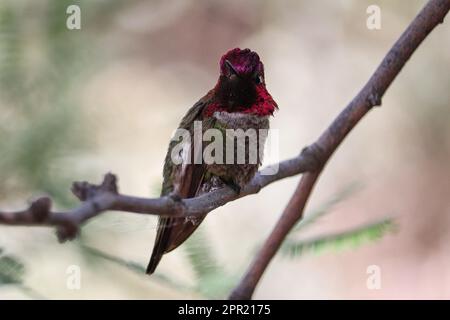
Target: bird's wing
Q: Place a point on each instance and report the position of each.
(184, 180)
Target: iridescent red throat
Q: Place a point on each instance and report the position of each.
(264, 105)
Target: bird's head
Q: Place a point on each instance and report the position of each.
(241, 86)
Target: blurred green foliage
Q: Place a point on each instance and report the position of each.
(347, 239)
(11, 270)
(42, 64)
(212, 280)
(41, 122)
(96, 258)
(12, 273)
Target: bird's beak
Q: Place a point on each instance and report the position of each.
(231, 68)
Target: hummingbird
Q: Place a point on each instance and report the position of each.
(239, 100)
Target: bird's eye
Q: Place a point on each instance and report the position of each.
(231, 70)
(259, 79)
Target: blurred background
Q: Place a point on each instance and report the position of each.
(76, 104)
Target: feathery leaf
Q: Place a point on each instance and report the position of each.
(12, 270)
(352, 238)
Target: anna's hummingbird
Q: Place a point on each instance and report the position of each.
(238, 101)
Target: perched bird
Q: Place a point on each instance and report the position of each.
(238, 101)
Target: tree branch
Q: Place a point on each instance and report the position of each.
(430, 16)
(97, 199)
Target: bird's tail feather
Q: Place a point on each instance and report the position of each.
(154, 261)
(161, 242)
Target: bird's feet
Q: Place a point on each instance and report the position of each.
(175, 197)
(233, 185)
